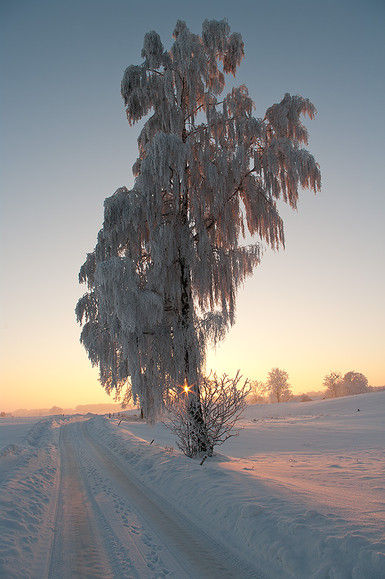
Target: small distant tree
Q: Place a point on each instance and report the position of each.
(354, 383)
(332, 383)
(257, 391)
(278, 386)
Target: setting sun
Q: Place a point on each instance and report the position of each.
(186, 388)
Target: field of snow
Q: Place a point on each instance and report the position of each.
(300, 493)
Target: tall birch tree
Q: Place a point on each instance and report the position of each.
(163, 277)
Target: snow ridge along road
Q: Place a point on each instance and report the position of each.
(108, 525)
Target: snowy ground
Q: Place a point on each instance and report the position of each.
(299, 494)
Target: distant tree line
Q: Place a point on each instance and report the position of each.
(278, 389)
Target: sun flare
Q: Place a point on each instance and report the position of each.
(186, 388)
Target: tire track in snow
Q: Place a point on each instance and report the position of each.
(133, 554)
(77, 549)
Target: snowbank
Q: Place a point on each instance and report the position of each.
(28, 472)
(301, 491)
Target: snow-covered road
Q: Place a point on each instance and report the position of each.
(300, 494)
(108, 525)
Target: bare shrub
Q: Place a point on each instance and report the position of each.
(222, 401)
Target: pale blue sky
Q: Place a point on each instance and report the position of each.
(66, 145)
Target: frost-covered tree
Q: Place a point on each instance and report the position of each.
(332, 383)
(277, 385)
(257, 391)
(352, 383)
(163, 277)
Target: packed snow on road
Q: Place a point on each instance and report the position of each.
(300, 493)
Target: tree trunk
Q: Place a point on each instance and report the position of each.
(199, 443)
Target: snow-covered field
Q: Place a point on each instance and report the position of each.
(300, 493)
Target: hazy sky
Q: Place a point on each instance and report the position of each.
(66, 146)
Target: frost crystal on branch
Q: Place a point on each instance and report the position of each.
(163, 277)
